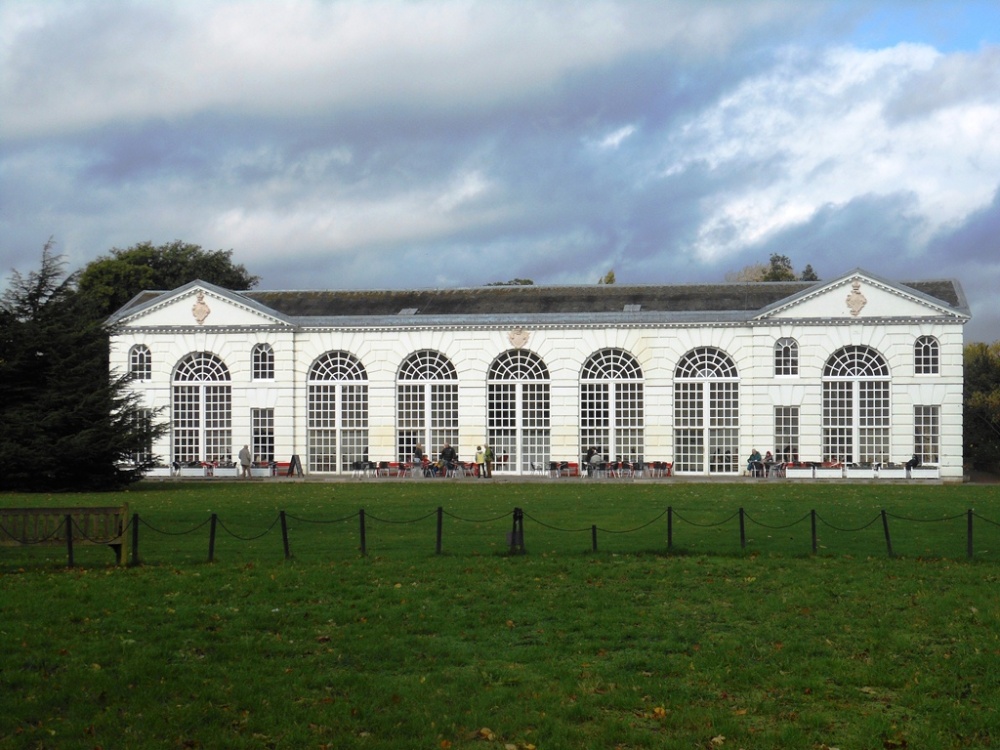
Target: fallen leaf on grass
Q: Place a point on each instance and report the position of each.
(718, 740)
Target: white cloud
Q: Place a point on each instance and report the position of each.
(815, 136)
(614, 140)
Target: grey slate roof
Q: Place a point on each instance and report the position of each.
(689, 301)
(506, 300)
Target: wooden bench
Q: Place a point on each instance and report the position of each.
(98, 525)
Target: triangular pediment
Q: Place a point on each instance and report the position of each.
(859, 296)
(197, 304)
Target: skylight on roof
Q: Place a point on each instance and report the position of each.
(408, 311)
(633, 308)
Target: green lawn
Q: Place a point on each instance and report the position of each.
(707, 645)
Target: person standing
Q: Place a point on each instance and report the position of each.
(488, 460)
(480, 462)
(245, 460)
(418, 460)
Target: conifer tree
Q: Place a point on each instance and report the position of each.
(68, 425)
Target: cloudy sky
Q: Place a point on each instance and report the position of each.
(386, 144)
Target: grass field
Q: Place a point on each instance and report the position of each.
(710, 644)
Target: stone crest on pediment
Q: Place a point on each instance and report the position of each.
(200, 309)
(856, 300)
(518, 337)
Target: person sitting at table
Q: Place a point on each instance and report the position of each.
(754, 465)
(448, 458)
(913, 462)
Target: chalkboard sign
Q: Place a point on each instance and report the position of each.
(295, 466)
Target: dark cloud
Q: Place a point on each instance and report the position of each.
(977, 238)
(879, 233)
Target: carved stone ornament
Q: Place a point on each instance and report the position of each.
(856, 300)
(200, 309)
(518, 338)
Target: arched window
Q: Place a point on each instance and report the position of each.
(202, 409)
(926, 356)
(786, 357)
(140, 362)
(856, 412)
(426, 404)
(612, 406)
(706, 413)
(518, 410)
(262, 362)
(337, 412)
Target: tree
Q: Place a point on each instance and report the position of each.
(512, 282)
(753, 272)
(608, 278)
(66, 423)
(808, 274)
(982, 405)
(114, 279)
(780, 269)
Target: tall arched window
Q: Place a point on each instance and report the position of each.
(856, 412)
(518, 410)
(140, 362)
(426, 403)
(706, 412)
(612, 405)
(786, 357)
(262, 362)
(338, 412)
(926, 356)
(202, 409)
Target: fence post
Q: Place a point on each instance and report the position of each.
(670, 527)
(968, 536)
(211, 538)
(69, 539)
(812, 515)
(364, 542)
(743, 531)
(135, 540)
(440, 525)
(284, 533)
(885, 527)
(593, 538)
(516, 537)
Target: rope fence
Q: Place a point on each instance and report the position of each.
(516, 540)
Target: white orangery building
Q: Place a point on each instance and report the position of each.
(857, 370)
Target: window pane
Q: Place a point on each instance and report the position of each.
(927, 433)
(926, 356)
(337, 412)
(786, 434)
(262, 434)
(706, 412)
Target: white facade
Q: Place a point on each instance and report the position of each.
(854, 370)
